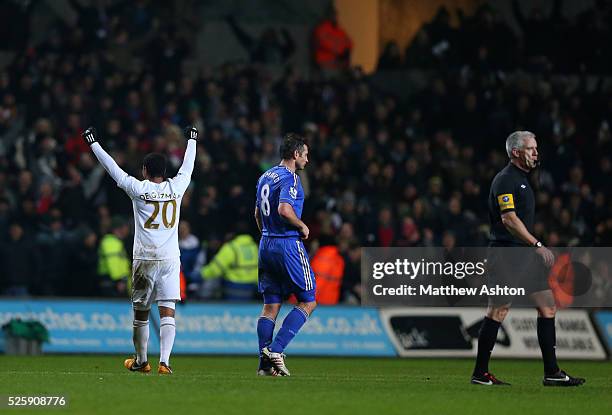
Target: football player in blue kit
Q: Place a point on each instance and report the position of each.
(284, 267)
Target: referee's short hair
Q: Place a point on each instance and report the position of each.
(517, 140)
(292, 142)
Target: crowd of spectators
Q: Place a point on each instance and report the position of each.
(547, 41)
(383, 172)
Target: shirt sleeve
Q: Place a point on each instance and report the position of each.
(504, 194)
(183, 177)
(288, 189)
(126, 182)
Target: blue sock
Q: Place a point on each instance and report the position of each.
(265, 331)
(291, 325)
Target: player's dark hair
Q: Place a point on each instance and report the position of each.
(291, 143)
(155, 163)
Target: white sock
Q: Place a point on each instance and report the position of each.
(141, 339)
(167, 330)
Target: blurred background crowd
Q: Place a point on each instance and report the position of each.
(387, 168)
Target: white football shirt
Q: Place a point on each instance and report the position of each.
(157, 206)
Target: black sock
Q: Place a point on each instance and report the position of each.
(547, 339)
(486, 342)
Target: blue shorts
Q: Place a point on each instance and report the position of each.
(284, 269)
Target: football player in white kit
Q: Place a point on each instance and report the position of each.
(156, 259)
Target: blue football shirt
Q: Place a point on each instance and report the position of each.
(279, 184)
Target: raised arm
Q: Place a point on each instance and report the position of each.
(117, 173)
(191, 134)
(183, 177)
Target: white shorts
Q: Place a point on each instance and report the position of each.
(155, 281)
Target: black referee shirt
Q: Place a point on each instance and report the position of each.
(510, 191)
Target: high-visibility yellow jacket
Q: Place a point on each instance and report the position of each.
(112, 258)
(236, 261)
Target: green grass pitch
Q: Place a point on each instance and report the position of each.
(228, 385)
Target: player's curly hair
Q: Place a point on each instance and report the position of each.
(155, 163)
(292, 142)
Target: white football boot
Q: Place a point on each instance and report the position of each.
(278, 361)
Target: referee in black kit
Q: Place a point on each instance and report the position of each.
(511, 214)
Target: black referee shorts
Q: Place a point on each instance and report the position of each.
(509, 265)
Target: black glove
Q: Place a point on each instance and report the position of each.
(90, 136)
(191, 133)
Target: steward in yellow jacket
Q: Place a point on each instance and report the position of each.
(236, 265)
(113, 263)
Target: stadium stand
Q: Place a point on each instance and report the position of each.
(386, 169)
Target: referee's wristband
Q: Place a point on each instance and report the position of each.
(538, 244)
